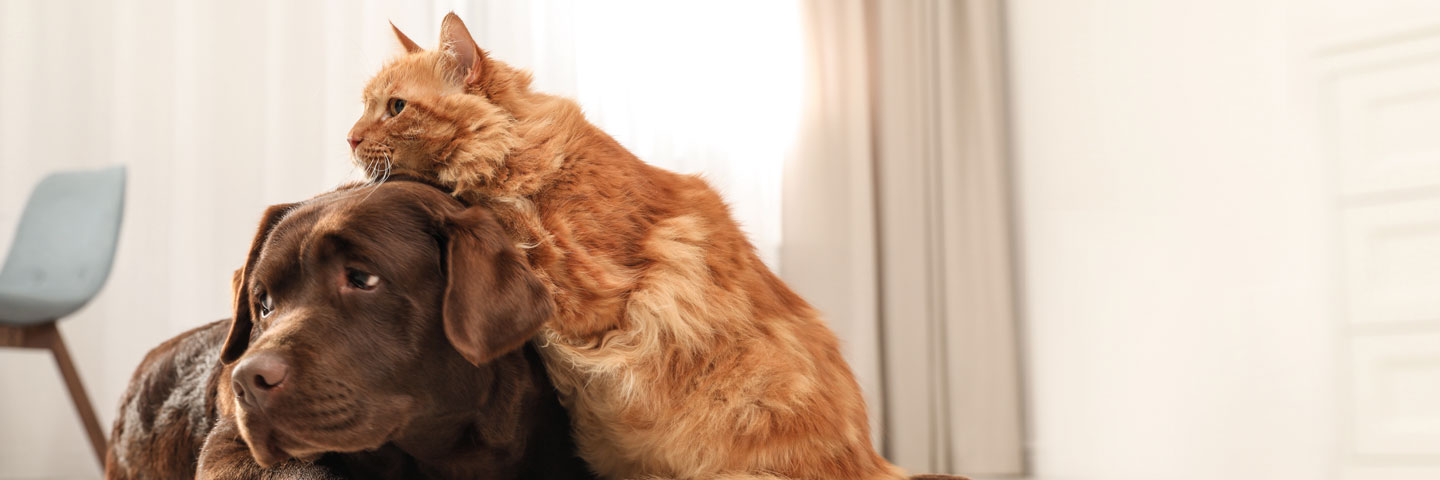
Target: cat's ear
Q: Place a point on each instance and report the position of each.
(470, 59)
(410, 45)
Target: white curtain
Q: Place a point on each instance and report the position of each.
(897, 223)
(951, 353)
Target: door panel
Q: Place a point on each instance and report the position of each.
(1377, 73)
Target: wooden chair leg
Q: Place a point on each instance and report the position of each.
(47, 336)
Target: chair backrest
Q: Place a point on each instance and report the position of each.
(65, 242)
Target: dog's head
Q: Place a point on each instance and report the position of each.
(348, 302)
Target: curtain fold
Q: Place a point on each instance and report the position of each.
(828, 254)
(898, 224)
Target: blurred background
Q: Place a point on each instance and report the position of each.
(1060, 240)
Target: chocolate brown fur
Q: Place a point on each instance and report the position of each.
(410, 383)
(168, 408)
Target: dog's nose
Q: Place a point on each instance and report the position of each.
(354, 142)
(257, 379)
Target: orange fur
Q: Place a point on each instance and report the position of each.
(678, 353)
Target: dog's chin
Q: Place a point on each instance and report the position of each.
(264, 444)
(271, 443)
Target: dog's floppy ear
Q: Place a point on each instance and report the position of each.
(493, 301)
(241, 325)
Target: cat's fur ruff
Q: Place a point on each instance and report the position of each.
(678, 352)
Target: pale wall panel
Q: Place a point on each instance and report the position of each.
(1180, 259)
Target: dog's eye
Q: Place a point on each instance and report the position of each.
(267, 305)
(361, 279)
(395, 106)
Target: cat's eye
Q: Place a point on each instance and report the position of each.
(361, 279)
(395, 106)
(267, 306)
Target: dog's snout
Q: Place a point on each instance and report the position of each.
(257, 379)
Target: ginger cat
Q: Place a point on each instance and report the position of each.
(677, 352)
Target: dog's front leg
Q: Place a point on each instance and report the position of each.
(227, 457)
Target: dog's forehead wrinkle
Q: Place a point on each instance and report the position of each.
(295, 219)
(314, 240)
(397, 223)
(272, 271)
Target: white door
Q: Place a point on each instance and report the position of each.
(1229, 215)
(1376, 73)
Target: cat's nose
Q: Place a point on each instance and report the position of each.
(354, 142)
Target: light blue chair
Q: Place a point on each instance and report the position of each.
(61, 255)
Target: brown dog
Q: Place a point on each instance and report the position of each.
(361, 317)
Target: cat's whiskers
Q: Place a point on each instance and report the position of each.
(384, 175)
(367, 179)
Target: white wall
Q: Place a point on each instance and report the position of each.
(222, 108)
(1177, 242)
